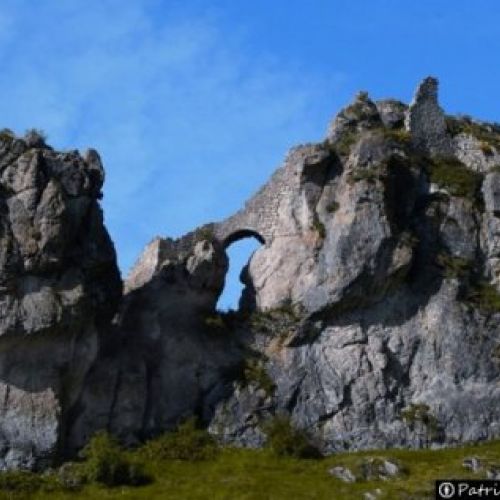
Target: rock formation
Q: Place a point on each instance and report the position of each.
(370, 316)
(59, 285)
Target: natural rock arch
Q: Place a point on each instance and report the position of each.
(241, 234)
(239, 247)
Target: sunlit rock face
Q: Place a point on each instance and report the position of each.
(370, 313)
(385, 245)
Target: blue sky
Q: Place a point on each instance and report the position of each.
(192, 104)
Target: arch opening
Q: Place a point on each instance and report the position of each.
(242, 234)
(240, 247)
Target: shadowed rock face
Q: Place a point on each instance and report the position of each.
(372, 307)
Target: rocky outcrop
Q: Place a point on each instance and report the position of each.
(370, 315)
(385, 246)
(167, 357)
(59, 285)
(426, 121)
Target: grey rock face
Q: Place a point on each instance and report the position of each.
(472, 463)
(426, 121)
(168, 359)
(361, 115)
(58, 284)
(491, 192)
(342, 473)
(476, 154)
(493, 473)
(392, 112)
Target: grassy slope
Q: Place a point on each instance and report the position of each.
(257, 474)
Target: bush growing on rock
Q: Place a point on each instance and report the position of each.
(215, 322)
(453, 267)
(453, 176)
(485, 297)
(254, 372)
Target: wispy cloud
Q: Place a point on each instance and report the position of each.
(188, 123)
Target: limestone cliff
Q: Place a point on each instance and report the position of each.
(370, 316)
(59, 286)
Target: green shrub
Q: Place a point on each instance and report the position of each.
(455, 125)
(71, 475)
(399, 135)
(261, 321)
(106, 463)
(486, 148)
(287, 309)
(370, 175)
(216, 322)
(421, 413)
(225, 321)
(485, 297)
(285, 440)
(6, 135)
(319, 227)
(344, 144)
(453, 176)
(332, 207)
(453, 267)
(254, 372)
(204, 233)
(278, 320)
(187, 442)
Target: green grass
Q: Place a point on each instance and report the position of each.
(236, 474)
